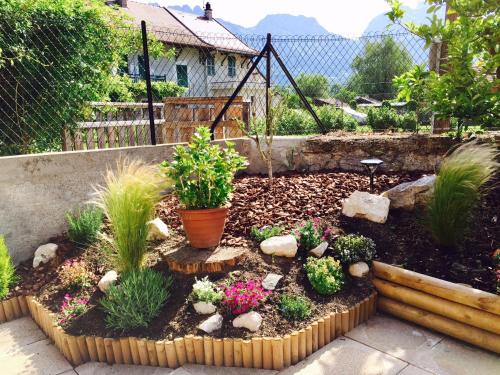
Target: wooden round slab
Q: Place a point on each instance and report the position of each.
(188, 260)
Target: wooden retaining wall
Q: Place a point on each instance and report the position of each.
(13, 308)
(464, 313)
(259, 352)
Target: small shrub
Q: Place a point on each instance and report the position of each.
(457, 191)
(354, 248)
(408, 121)
(261, 234)
(8, 275)
(205, 291)
(382, 118)
(295, 307)
(311, 233)
(295, 121)
(203, 173)
(71, 308)
(74, 274)
(325, 275)
(242, 297)
(84, 225)
(128, 201)
(137, 300)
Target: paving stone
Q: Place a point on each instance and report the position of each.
(38, 358)
(412, 370)
(212, 370)
(95, 368)
(18, 333)
(451, 357)
(347, 357)
(395, 337)
(69, 372)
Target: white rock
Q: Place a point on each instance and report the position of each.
(359, 269)
(271, 281)
(44, 254)
(367, 206)
(319, 250)
(211, 324)
(158, 230)
(107, 280)
(409, 194)
(250, 320)
(283, 246)
(204, 308)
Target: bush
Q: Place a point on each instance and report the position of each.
(8, 275)
(335, 119)
(295, 121)
(295, 307)
(354, 248)
(325, 275)
(203, 173)
(242, 297)
(205, 291)
(408, 121)
(457, 191)
(84, 225)
(261, 234)
(74, 274)
(382, 118)
(128, 201)
(137, 300)
(311, 233)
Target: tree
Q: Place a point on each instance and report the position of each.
(374, 70)
(466, 87)
(56, 56)
(313, 85)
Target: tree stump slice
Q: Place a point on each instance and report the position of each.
(188, 260)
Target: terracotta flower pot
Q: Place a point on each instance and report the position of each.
(204, 228)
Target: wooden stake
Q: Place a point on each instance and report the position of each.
(351, 318)
(3, 318)
(82, 347)
(134, 350)
(16, 307)
(237, 353)
(108, 347)
(345, 322)
(152, 356)
(24, 305)
(309, 340)
(171, 355)
(218, 346)
(295, 347)
(315, 341)
(198, 350)
(277, 345)
(357, 312)
(76, 358)
(208, 350)
(9, 310)
(142, 348)
(247, 353)
(161, 354)
(302, 344)
(287, 351)
(188, 342)
(327, 329)
(321, 333)
(125, 348)
(101, 351)
(117, 351)
(338, 324)
(267, 353)
(92, 348)
(180, 350)
(256, 351)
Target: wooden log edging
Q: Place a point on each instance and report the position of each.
(13, 308)
(464, 313)
(273, 353)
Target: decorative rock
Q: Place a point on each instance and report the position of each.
(319, 250)
(204, 308)
(158, 230)
(367, 206)
(284, 246)
(250, 320)
(359, 269)
(44, 254)
(107, 280)
(211, 324)
(271, 281)
(409, 194)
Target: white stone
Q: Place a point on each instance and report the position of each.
(367, 206)
(319, 250)
(409, 194)
(250, 320)
(44, 254)
(283, 246)
(107, 280)
(204, 307)
(158, 230)
(271, 281)
(211, 324)
(359, 269)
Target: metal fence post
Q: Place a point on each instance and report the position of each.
(148, 82)
(268, 79)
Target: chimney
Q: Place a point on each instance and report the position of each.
(122, 3)
(208, 11)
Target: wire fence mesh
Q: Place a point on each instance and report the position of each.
(60, 90)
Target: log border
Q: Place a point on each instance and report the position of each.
(274, 353)
(467, 314)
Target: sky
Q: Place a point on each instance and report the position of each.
(344, 17)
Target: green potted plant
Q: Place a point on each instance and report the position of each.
(202, 175)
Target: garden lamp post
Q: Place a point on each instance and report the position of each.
(371, 165)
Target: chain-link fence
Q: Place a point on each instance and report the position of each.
(61, 88)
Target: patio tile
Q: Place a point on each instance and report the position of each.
(212, 370)
(39, 358)
(345, 356)
(451, 357)
(412, 370)
(18, 333)
(395, 337)
(95, 368)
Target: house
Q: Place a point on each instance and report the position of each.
(209, 60)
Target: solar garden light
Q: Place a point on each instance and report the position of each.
(371, 165)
